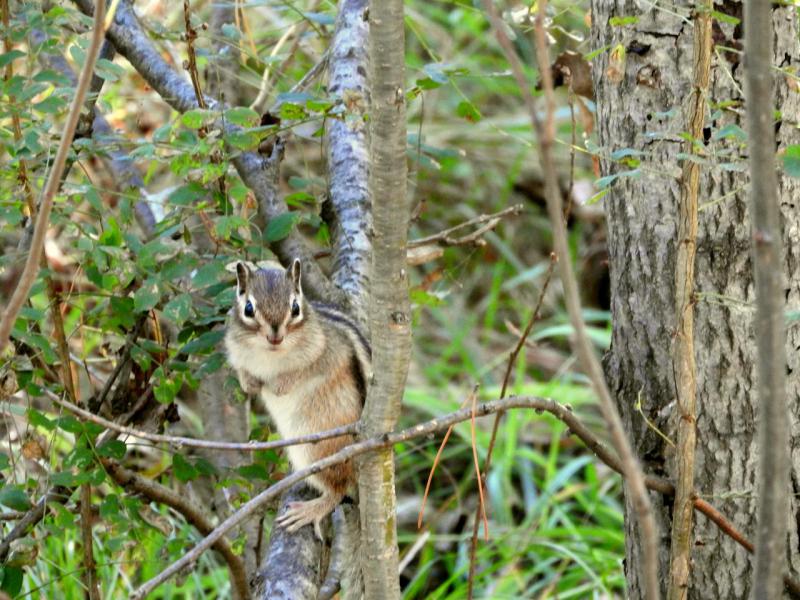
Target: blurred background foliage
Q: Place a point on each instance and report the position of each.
(555, 515)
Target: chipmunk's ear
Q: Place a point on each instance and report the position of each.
(242, 277)
(294, 274)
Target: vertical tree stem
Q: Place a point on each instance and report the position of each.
(545, 133)
(773, 491)
(389, 317)
(683, 349)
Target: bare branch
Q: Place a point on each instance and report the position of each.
(488, 223)
(545, 133)
(207, 444)
(31, 268)
(378, 442)
(773, 418)
(683, 349)
(559, 411)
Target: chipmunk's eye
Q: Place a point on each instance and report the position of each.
(248, 310)
(295, 309)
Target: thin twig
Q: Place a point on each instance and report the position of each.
(683, 349)
(207, 444)
(545, 133)
(89, 574)
(445, 237)
(560, 411)
(512, 360)
(481, 500)
(191, 512)
(191, 61)
(31, 268)
(770, 329)
(371, 444)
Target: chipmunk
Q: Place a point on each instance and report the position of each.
(310, 365)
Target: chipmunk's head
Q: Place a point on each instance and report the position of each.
(269, 303)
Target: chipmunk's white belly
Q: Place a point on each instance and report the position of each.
(290, 413)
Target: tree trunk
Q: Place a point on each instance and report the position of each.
(641, 105)
(389, 310)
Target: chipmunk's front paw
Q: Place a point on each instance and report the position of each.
(250, 385)
(305, 513)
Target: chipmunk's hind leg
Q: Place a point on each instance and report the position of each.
(310, 511)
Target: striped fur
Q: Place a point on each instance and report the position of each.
(314, 379)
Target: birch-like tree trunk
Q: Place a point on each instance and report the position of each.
(389, 316)
(642, 82)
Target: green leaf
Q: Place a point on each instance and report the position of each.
(292, 112)
(791, 160)
(168, 387)
(208, 274)
(203, 342)
(110, 506)
(4, 461)
(242, 116)
(622, 21)
(9, 56)
(51, 105)
(228, 224)
(182, 469)
(243, 140)
(113, 449)
(279, 227)
(730, 130)
(254, 471)
(69, 424)
(723, 18)
(197, 118)
(230, 31)
(187, 194)
(107, 70)
(147, 296)
(12, 580)
(14, 498)
(39, 420)
(179, 309)
(466, 110)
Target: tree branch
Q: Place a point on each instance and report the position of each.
(31, 268)
(559, 411)
(348, 159)
(206, 444)
(768, 264)
(683, 349)
(294, 565)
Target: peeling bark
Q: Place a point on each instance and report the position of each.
(645, 114)
(348, 160)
